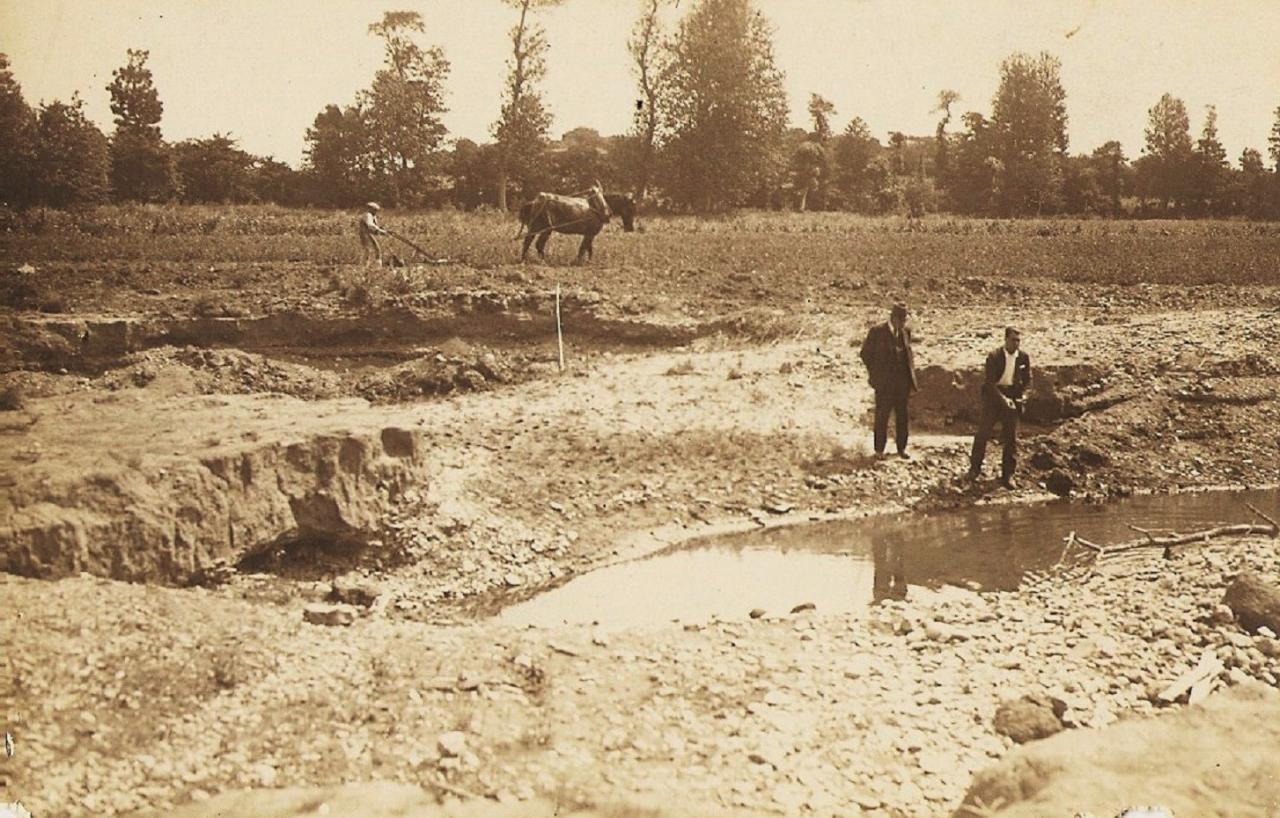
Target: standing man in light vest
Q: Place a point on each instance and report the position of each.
(1004, 389)
(369, 230)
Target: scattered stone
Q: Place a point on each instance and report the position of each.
(512, 580)
(452, 744)
(942, 632)
(567, 650)
(264, 775)
(763, 757)
(1029, 718)
(1221, 615)
(756, 613)
(1060, 483)
(1239, 640)
(804, 606)
(354, 592)
(1043, 460)
(1255, 602)
(867, 800)
(320, 614)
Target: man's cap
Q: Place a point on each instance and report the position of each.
(373, 205)
(899, 308)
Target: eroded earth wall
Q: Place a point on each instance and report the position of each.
(168, 523)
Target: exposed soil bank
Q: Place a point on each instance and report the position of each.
(138, 512)
(93, 343)
(518, 485)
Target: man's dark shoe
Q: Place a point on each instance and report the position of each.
(905, 456)
(1008, 483)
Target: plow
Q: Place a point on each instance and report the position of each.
(422, 255)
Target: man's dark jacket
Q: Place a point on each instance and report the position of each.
(880, 355)
(995, 370)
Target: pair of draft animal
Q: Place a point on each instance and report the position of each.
(890, 363)
(539, 218)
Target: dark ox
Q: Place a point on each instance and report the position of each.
(548, 213)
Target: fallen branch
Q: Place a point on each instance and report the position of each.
(1144, 531)
(1069, 540)
(1275, 526)
(1241, 530)
(1092, 545)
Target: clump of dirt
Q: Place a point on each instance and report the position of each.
(182, 370)
(441, 374)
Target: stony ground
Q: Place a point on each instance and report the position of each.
(167, 695)
(741, 407)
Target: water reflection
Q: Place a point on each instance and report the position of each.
(890, 580)
(844, 566)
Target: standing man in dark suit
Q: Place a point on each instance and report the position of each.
(891, 368)
(1004, 389)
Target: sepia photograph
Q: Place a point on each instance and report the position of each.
(639, 408)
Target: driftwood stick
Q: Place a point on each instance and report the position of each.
(1145, 531)
(1087, 544)
(1241, 530)
(1068, 541)
(1275, 526)
(1165, 531)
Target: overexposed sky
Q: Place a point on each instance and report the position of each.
(263, 69)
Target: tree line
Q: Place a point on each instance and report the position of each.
(709, 133)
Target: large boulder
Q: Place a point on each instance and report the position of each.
(1060, 483)
(1255, 602)
(1215, 759)
(1029, 718)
